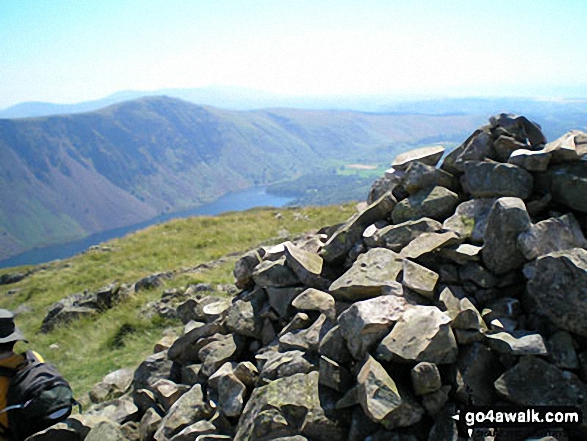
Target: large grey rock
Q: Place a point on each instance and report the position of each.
(425, 378)
(423, 333)
(530, 160)
(490, 179)
(428, 243)
(436, 203)
(112, 386)
(477, 147)
(189, 409)
(420, 176)
(518, 127)
(274, 274)
(341, 242)
(315, 300)
(367, 321)
(168, 392)
(508, 219)
(229, 391)
(567, 183)
(185, 349)
(396, 237)
(153, 368)
(334, 347)
(505, 145)
(244, 315)
(149, 424)
(425, 155)
(476, 369)
(287, 407)
(382, 400)
(372, 271)
(120, 410)
(307, 340)
(419, 279)
(561, 350)
(558, 285)
(220, 349)
(244, 267)
(470, 219)
(58, 432)
(280, 299)
(535, 382)
(106, 430)
(195, 431)
(284, 364)
(567, 148)
(306, 265)
(517, 343)
(555, 234)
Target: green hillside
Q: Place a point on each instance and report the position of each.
(121, 337)
(64, 177)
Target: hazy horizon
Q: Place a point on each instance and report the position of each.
(69, 52)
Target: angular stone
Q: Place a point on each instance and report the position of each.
(396, 237)
(154, 367)
(106, 430)
(274, 274)
(477, 274)
(367, 321)
(112, 386)
(558, 285)
(307, 340)
(149, 424)
(567, 183)
(229, 390)
(437, 203)
(535, 382)
(315, 300)
(195, 431)
(285, 364)
(120, 410)
(333, 346)
(334, 376)
(554, 234)
(476, 370)
(427, 243)
(470, 219)
(420, 176)
(189, 409)
(244, 315)
(425, 378)
(561, 350)
(376, 268)
(477, 147)
(382, 400)
(463, 253)
(518, 127)
(280, 299)
(246, 372)
(286, 407)
(244, 267)
(167, 392)
(425, 155)
(423, 333)
(504, 146)
(419, 279)
(57, 432)
(185, 349)
(564, 149)
(508, 219)
(221, 348)
(341, 242)
(517, 343)
(530, 160)
(489, 179)
(306, 265)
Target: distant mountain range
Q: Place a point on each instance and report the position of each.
(64, 177)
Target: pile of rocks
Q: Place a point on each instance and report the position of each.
(463, 284)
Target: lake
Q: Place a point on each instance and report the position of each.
(237, 201)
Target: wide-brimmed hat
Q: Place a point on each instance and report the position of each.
(8, 330)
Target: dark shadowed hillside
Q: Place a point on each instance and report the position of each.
(63, 177)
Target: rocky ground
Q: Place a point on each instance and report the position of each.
(459, 284)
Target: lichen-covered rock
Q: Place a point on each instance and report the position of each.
(423, 333)
(470, 218)
(558, 285)
(396, 237)
(419, 279)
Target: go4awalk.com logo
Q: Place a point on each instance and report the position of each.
(481, 419)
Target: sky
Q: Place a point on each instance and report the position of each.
(67, 51)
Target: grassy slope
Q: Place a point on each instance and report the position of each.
(86, 349)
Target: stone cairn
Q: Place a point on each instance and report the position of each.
(463, 283)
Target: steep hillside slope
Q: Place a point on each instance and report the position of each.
(64, 177)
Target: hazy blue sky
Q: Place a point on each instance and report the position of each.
(72, 50)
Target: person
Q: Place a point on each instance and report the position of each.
(9, 336)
